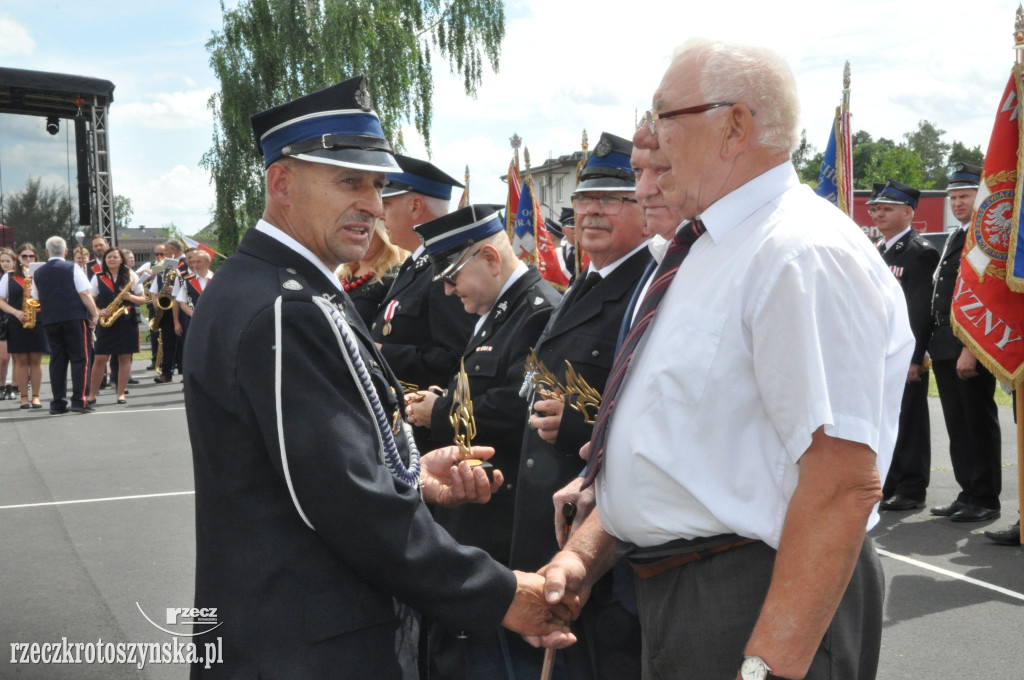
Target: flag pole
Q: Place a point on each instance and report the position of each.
(846, 153)
(1018, 46)
(533, 196)
(576, 229)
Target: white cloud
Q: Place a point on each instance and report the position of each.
(181, 195)
(167, 111)
(15, 38)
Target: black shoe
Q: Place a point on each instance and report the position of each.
(133, 381)
(151, 367)
(974, 513)
(900, 503)
(948, 510)
(58, 411)
(162, 379)
(1009, 536)
(81, 409)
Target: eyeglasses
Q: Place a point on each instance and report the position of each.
(449, 278)
(607, 205)
(652, 117)
(27, 256)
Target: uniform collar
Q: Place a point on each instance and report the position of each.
(730, 210)
(284, 239)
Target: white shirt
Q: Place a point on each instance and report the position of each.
(81, 280)
(520, 270)
(286, 240)
(782, 319)
(94, 286)
(890, 242)
(170, 263)
(182, 294)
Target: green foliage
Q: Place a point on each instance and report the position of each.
(959, 153)
(898, 163)
(271, 51)
(123, 211)
(864, 155)
(171, 230)
(926, 142)
(37, 213)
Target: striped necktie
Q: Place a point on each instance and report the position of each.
(677, 252)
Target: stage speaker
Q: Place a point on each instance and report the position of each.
(82, 154)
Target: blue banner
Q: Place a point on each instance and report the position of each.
(828, 178)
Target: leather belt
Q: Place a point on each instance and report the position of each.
(645, 569)
(942, 319)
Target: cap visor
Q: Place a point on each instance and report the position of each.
(370, 160)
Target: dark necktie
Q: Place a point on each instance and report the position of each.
(593, 278)
(677, 252)
(881, 247)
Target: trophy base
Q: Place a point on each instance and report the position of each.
(487, 467)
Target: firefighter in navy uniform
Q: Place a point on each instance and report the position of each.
(420, 330)
(471, 254)
(583, 331)
(912, 260)
(966, 387)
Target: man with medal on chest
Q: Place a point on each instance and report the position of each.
(419, 330)
(313, 539)
(472, 256)
(912, 260)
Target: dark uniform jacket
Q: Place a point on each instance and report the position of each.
(428, 330)
(913, 260)
(944, 344)
(584, 333)
(494, 362)
(304, 540)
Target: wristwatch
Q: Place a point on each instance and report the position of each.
(754, 668)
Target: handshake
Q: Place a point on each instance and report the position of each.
(545, 602)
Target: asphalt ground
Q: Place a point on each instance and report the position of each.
(96, 534)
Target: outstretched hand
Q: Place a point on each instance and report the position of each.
(448, 480)
(541, 623)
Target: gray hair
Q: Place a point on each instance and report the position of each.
(56, 247)
(756, 76)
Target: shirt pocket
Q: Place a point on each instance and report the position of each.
(689, 343)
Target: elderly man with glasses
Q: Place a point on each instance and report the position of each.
(582, 333)
(752, 409)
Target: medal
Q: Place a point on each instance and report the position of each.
(389, 313)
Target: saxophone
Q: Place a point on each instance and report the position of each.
(117, 308)
(29, 305)
(163, 301)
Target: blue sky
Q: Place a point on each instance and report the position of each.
(565, 66)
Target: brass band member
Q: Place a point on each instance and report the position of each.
(25, 345)
(116, 281)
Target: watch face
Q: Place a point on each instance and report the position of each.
(754, 668)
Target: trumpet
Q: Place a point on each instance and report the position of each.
(29, 305)
(117, 308)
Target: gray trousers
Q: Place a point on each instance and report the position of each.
(696, 619)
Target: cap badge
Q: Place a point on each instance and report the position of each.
(362, 96)
(603, 148)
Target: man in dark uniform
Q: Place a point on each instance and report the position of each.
(567, 251)
(583, 332)
(912, 260)
(70, 313)
(471, 253)
(312, 536)
(966, 388)
(420, 331)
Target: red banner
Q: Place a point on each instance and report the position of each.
(986, 314)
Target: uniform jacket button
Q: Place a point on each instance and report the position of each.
(529, 462)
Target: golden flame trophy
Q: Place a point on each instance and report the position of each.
(461, 418)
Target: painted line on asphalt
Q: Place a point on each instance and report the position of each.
(98, 500)
(951, 574)
(99, 412)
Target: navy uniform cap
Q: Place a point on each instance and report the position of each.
(447, 237)
(965, 176)
(420, 177)
(875, 188)
(553, 227)
(608, 168)
(896, 193)
(336, 126)
(568, 217)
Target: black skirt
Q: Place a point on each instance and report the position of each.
(121, 338)
(26, 340)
